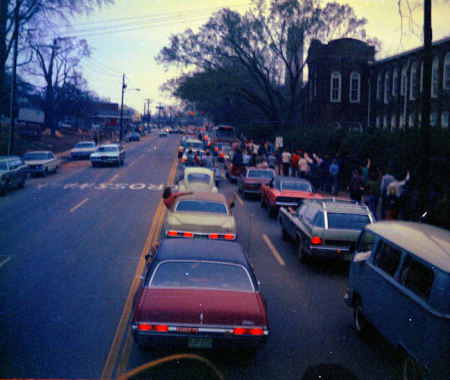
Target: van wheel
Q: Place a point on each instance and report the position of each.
(272, 211)
(361, 324)
(284, 234)
(263, 202)
(411, 370)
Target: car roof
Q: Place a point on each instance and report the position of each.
(38, 151)
(339, 205)
(428, 242)
(193, 140)
(292, 179)
(86, 141)
(256, 168)
(202, 249)
(204, 196)
(109, 145)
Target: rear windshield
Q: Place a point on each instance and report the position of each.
(201, 206)
(85, 145)
(299, 186)
(35, 156)
(260, 174)
(107, 149)
(201, 275)
(194, 145)
(199, 177)
(347, 221)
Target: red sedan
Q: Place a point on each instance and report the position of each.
(200, 294)
(287, 192)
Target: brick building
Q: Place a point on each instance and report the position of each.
(348, 88)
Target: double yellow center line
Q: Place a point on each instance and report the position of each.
(116, 345)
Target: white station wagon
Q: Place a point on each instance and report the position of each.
(42, 162)
(108, 154)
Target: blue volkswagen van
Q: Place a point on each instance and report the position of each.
(399, 283)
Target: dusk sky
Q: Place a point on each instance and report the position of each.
(126, 36)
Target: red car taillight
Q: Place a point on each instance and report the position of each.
(243, 331)
(229, 236)
(213, 236)
(172, 233)
(316, 240)
(188, 234)
(148, 327)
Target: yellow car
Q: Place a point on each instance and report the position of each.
(196, 179)
(201, 215)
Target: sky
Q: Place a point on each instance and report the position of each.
(126, 36)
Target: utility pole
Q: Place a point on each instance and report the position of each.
(121, 108)
(149, 101)
(14, 80)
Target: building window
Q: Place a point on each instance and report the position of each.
(401, 121)
(413, 82)
(355, 85)
(387, 87)
(444, 119)
(335, 93)
(378, 121)
(404, 80)
(433, 118)
(412, 117)
(379, 86)
(446, 83)
(393, 120)
(385, 122)
(395, 82)
(421, 77)
(435, 77)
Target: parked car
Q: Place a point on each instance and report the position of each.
(162, 133)
(13, 173)
(286, 191)
(197, 293)
(195, 145)
(194, 178)
(202, 214)
(83, 149)
(108, 154)
(133, 136)
(41, 162)
(324, 227)
(252, 178)
(399, 283)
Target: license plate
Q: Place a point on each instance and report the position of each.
(199, 342)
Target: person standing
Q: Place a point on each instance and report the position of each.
(272, 160)
(286, 162)
(334, 173)
(356, 186)
(303, 166)
(294, 164)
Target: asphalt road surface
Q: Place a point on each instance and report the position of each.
(72, 246)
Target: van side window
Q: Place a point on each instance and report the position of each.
(387, 257)
(417, 277)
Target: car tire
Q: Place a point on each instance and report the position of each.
(21, 184)
(56, 169)
(362, 326)
(94, 165)
(263, 202)
(410, 369)
(272, 211)
(284, 234)
(4, 190)
(240, 188)
(301, 255)
(45, 174)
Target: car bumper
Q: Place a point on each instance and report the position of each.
(199, 340)
(331, 252)
(80, 155)
(105, 160)
(37, 169)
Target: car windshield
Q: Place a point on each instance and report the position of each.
(201, 206)
(107, 149)
(347, 221)
(201, 275)
(299, 186)
(199, 177)
(34, 156)
(260, 174)
(85, 145)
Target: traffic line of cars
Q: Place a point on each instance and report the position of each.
(199, 290)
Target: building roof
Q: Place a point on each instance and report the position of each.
(430, 243)
(411, 51)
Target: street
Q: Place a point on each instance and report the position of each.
(72, 245)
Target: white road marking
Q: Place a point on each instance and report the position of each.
(273, 250)
(5, 261)
(114, 178)
(131, 164)
(79, 204)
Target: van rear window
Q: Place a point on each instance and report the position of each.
(387, 258)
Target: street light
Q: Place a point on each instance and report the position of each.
(124, 86)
